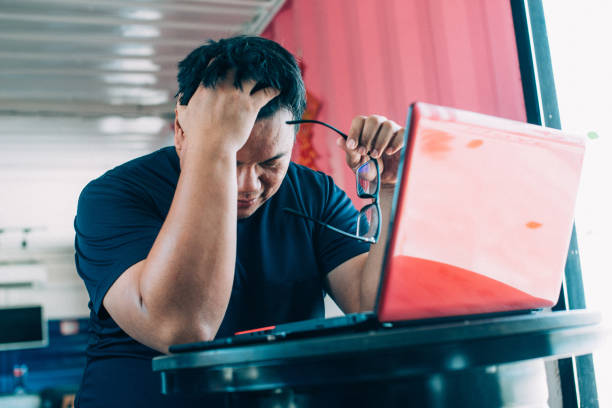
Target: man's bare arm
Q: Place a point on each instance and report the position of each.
(354, 283)
(180, 292)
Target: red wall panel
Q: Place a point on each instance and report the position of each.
(378, 56)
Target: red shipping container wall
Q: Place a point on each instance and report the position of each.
(378, 56)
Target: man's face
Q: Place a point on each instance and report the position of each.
(263, 161)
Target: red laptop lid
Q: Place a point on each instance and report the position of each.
(482, 218)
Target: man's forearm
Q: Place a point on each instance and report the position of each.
(188, 275)
(370, 275)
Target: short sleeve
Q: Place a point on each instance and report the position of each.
(332, 248)
(115, 226)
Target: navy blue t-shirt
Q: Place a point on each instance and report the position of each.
(281, 264)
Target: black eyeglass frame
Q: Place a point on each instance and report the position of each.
(360, 193)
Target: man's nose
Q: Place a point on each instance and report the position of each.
(248, 179)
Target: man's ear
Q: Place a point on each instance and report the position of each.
(179, 135)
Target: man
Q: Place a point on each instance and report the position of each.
(191, 242)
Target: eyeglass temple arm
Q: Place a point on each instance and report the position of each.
(296, 122)
(339, 231)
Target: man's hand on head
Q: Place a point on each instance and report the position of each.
(379, 138)
(222, 116)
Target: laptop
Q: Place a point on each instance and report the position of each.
(480, 225)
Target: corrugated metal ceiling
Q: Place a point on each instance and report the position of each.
(86, 85)
(87, 57)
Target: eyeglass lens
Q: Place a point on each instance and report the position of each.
(367, 178)
(367, 187)
(367, 222)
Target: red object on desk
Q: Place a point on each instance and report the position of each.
(484, 216)
(255, 330)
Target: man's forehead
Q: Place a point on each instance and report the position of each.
(270, 137)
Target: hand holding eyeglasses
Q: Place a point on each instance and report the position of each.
(378, 138)
(372, 143)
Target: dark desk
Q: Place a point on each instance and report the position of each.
(485, 362)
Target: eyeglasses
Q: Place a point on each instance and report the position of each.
(368, 186)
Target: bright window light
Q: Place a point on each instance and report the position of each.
(143, 14)
(139, 31)
(579, 34)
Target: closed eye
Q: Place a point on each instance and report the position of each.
(273, 161)
(270, 163)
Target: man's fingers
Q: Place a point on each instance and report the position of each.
(199, 93)
(355, 132)
(227, 81)
(370, 131)
(385, 134)
(396, 143)
(250, 88)
(264, 95)
(370, 134)
(373, 136)
(248, 85)
(353, 158)
(179, 109)
(261, 96)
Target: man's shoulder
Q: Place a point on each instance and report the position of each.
(162, 158)
(135, 170)
(306, 177)
(313, 189)
(136, 177)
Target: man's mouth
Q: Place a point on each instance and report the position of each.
(246, 203)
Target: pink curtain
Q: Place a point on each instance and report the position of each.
(378, 56)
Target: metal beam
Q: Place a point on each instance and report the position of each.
(116, 21)
(576, 374)
(220, 7)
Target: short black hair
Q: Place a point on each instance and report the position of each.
(253, 58)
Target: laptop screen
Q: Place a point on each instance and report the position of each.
(22, 327)
(482, 216)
